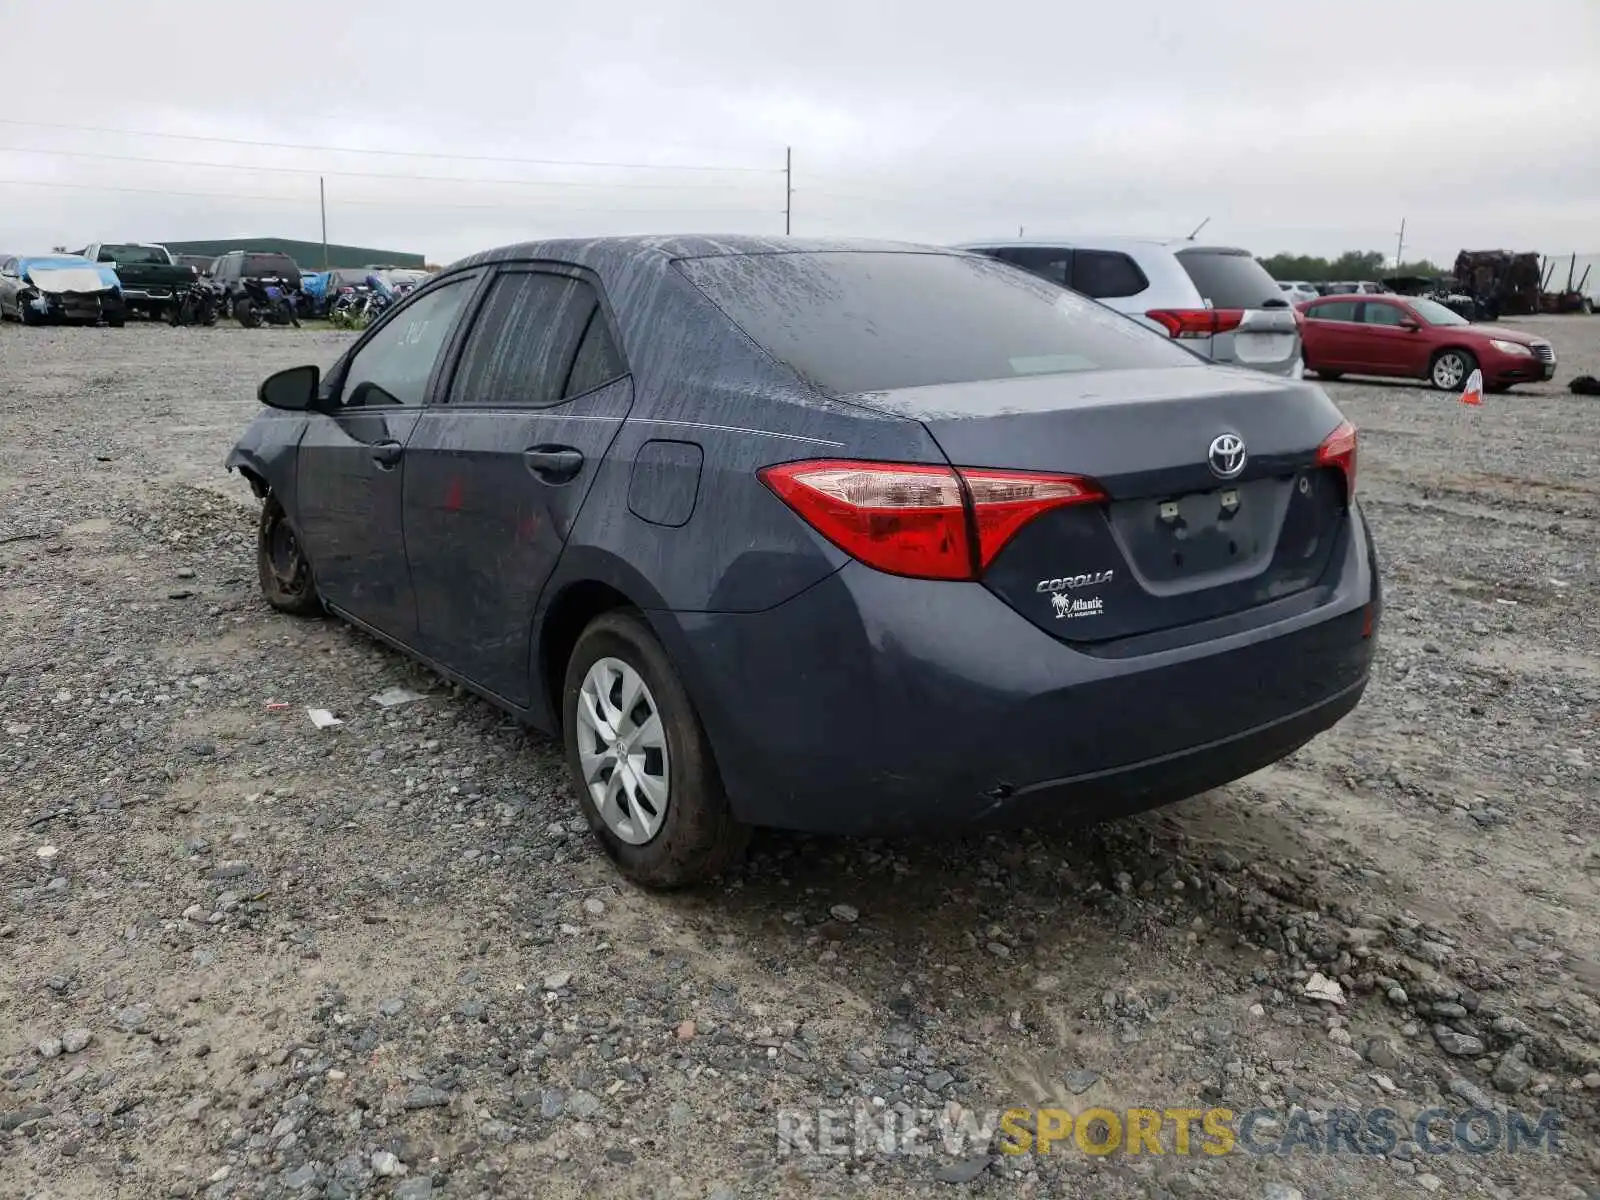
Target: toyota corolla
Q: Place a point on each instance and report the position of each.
(832, 536)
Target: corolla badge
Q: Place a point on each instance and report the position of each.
(1227, 456)
(1067, 582)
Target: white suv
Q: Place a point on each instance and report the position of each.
(1215, 300)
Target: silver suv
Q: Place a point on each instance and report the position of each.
(1216, 300)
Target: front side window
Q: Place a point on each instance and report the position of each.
(394, 365)
(1384, 314)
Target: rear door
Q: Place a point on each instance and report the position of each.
(1254, 325)
(352, 461)
(495, 476)
(1332, 336)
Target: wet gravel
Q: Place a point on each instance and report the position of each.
(247, 957)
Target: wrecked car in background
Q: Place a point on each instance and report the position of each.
(60, 287)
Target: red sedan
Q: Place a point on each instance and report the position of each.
(1416, 338)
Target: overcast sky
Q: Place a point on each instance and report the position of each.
(1305, 127)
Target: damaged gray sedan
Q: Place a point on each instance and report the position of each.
(60, 287)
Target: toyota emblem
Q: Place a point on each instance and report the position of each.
(1226, 455)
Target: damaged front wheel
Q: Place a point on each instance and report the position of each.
(286, 579)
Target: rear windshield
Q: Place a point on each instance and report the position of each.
(1229, 279)
(867, 321)
(130, 255)
(270, 264)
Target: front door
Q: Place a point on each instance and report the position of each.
(352, 462)
(496, 474)
(1390, 349)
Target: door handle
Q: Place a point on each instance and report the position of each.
(386, 454)
(553, 464)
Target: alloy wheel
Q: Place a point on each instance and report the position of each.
(622, 746)
(1449, 371)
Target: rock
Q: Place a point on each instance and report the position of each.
(300, 1177)
(680, 1113)
(192, 1111)
(426, 1097)
(1380, 1052)
(393, 1006)
(19, 1117)
(1320, 987)
(420, 1188)
(556, 980)
(583, 1105)
(185, 572)
(1079, 1082)
(1281, 1191)
(686, 1031)
(594, 908)
(965, 1171)
(552, 1103)
(1471, 1093)
(1461, 1045)
(385, 1164)
(1429, 1183)
(848, 913)
(1511, 1074)
(49, 1048)
(937, 1081)
(132, 1019)
(75, 1040)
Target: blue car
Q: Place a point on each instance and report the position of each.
(848, 537)
(38, 288)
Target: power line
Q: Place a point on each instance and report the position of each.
(542, 162)
(397, 203)
(315, 171)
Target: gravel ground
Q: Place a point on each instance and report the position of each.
(245, 957)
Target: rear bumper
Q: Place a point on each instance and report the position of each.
(871, 704)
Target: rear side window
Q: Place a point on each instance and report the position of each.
(1229, 279)
(598, 361)
(1338, 310)
(866, 321)
(1106, 274)
(522, 347)
(1052, 264)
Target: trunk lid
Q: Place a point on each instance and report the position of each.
(1179, 539)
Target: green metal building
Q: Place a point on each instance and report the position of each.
(307, 254)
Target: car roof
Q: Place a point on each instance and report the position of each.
(611, 252)
(1100, 243)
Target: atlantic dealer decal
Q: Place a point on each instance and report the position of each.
(1067, 607)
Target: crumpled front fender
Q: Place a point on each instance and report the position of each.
(267, 452)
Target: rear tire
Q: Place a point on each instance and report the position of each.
(694, 836)
(1449, 369)
(284, 570)
(1329, 375)
(247, 313)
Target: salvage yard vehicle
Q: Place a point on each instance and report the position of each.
(1217, 301)
(1413, 337)
(230, 270)
(150, 279)
(59, 287)
(268, 300)
(848, 537)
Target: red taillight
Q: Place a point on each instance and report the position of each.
(920, 521)
(1196, 322)
(1338, 449)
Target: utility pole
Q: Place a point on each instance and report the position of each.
(1019, 232)
(322, 195)
(788, 187)
(1399, 250)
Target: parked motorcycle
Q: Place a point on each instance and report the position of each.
(269, 300)
(349, 309)
(195, 305)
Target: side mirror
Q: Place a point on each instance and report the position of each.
(294, 390)
(1409, 325)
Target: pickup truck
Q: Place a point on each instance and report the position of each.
(151, 281)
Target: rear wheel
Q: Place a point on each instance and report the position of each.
(1321, 374)
(247, 313)
(642, 767)
(1450, 369)
(285, 572)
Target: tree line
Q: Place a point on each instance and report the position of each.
(1351, 265)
